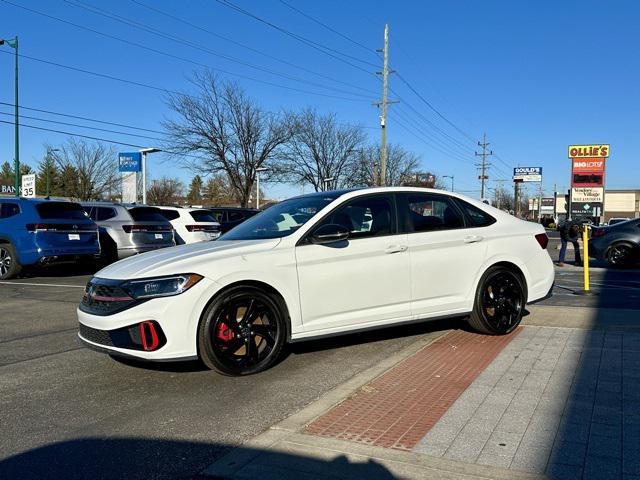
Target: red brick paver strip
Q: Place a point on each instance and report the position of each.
(398, 408)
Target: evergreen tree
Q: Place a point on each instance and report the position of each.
(69, 182)
(48, 168)
(6, 173)
(194, 197)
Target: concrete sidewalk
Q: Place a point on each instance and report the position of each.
(557, 401)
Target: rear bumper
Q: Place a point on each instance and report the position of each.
(130, 251)
(69, 258)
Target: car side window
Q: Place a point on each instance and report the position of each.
(371, 216)
(477, 217)
(428, 212)
(90, 211)
(9, 209)
(235, 216)
(105, 213)
(218, 215)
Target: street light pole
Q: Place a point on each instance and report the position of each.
(451, 177)
(16, 160)
(258, 170)
(144, 152)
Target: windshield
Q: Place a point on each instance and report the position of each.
(282, 219)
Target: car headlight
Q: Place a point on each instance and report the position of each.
(161, 286)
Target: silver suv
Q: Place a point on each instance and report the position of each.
(126, 230)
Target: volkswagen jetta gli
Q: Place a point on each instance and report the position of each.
(316, 265)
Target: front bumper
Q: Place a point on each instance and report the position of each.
(176, 318)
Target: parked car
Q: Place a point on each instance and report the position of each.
(614, 220)
(191, 225)
(42, 232)
(618, 244)
(127, 230)
(341, 261)
(229, 217)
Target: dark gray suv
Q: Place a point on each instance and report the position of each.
(127, 230)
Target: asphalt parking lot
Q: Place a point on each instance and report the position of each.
(64, 408)
(152, 421)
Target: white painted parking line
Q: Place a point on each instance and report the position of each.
(42, 284)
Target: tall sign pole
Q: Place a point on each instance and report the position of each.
(16, 159)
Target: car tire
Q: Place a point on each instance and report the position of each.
(242, 331)
(9, 266)
(499, 301)
(619, 254)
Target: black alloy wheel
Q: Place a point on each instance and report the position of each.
(618, 254)
(9, 266)
(242, 332)
(499, 303)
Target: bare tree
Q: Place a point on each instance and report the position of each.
(320, 150)
(166, 191)
(365, 171)
(228, 130)
(94, 167)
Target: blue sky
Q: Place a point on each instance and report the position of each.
(535, 76)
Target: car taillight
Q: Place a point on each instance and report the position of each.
(542, 239)
(598, 232)
(203, 228)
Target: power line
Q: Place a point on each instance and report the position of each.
(327, 27)
(248, 47)
(182, 41)
(310, 43)
(22, 107)
(68, 124)
(434, 109)
(176, 57)
(77, 135)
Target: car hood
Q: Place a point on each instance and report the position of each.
(182, 259)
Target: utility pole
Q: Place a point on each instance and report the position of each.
(484, 165)
(383, 104)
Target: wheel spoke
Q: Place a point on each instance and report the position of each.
(248, 313)
(267, 332)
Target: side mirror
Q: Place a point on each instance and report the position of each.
(329, 234)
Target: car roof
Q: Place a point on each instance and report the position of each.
(243, 209)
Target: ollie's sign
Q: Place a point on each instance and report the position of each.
(588, 151)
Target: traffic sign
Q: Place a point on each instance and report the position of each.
(29, 185)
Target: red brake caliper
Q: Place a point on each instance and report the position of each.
(224, 333)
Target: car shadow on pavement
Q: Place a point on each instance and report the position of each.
(376, 335)
(139, 458)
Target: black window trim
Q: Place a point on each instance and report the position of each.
(403, 202)
(468, 220)
(392, 196)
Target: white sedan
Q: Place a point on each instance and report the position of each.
(192, 225)
(322, 264)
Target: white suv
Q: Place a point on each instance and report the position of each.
(192, 225)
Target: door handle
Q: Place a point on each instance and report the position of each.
(473, 239)
(396, 249)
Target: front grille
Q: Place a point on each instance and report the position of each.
(94, 335)
(124, 337)
(105, 297)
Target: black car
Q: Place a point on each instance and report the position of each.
(229, 217)
(618, 244)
